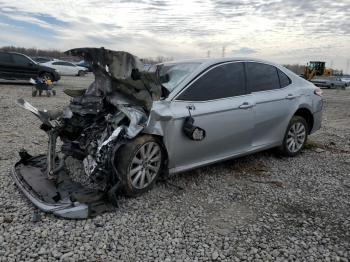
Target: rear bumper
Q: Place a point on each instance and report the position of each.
(68, 209)
(317, 121)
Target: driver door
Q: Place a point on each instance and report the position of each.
(23, 68)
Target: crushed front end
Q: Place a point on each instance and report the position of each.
(81, 180)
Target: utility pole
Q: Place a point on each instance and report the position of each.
(208, 53)
(223, 51)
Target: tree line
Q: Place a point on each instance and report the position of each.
(54, 53)
(32, 52)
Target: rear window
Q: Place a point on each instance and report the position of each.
(262, 77)
(284, 79)
(5, 58)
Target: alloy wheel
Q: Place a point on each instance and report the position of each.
(145, 165)
(296, 137)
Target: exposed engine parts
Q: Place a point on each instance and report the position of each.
(92, 128)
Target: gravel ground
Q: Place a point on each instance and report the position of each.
(261, 207)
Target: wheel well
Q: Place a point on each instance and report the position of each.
(45, 72)
(166, 160)
(307, 115)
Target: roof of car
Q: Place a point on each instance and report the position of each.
(16, 53)
(210, 61)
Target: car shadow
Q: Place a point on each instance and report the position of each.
(20, 83)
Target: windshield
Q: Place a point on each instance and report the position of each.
(31, 60)
(171, 75)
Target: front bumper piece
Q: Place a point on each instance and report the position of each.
(72, 210)
(60, 196)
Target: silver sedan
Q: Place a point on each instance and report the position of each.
(131, 125)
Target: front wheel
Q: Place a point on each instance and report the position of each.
(47, 76)
(139, 163)
(295, 137)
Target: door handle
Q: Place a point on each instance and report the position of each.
(191, 107)
(291, 96)
(246, 105)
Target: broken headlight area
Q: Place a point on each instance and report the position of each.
(82, 179)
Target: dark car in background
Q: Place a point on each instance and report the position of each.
(16, 66)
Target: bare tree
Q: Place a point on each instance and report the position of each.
(34, 51)
(156, 60)
(296, 68)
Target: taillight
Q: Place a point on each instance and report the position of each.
(318, 92)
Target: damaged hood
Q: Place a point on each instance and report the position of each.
(121, 74)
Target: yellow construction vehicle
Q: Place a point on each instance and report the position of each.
(316, 68)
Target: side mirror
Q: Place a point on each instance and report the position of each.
(191, 131)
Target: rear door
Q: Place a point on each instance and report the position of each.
(273, 101)
(67, 68)
(23, 67)
(59, 66)
(219, 104)
(71, 68)
(6, 70)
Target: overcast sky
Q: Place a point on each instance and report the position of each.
(283, 31)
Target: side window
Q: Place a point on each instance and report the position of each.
(20, 60)
(261, 77)
(5, 58)
(69, 64)
(222, 81)
(284, 79)
(58, 63)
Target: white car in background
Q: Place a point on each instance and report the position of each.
(346, 79)
(66, 68)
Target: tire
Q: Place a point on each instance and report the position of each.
(138, 171)
(34, 92)
(54, 92)
(48, 93)
(47, 76)
(293, 136)
(81, 73)
(40, 92)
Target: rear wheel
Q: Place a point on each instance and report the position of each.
(295, 137)
(139, 164)
(81, 73)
